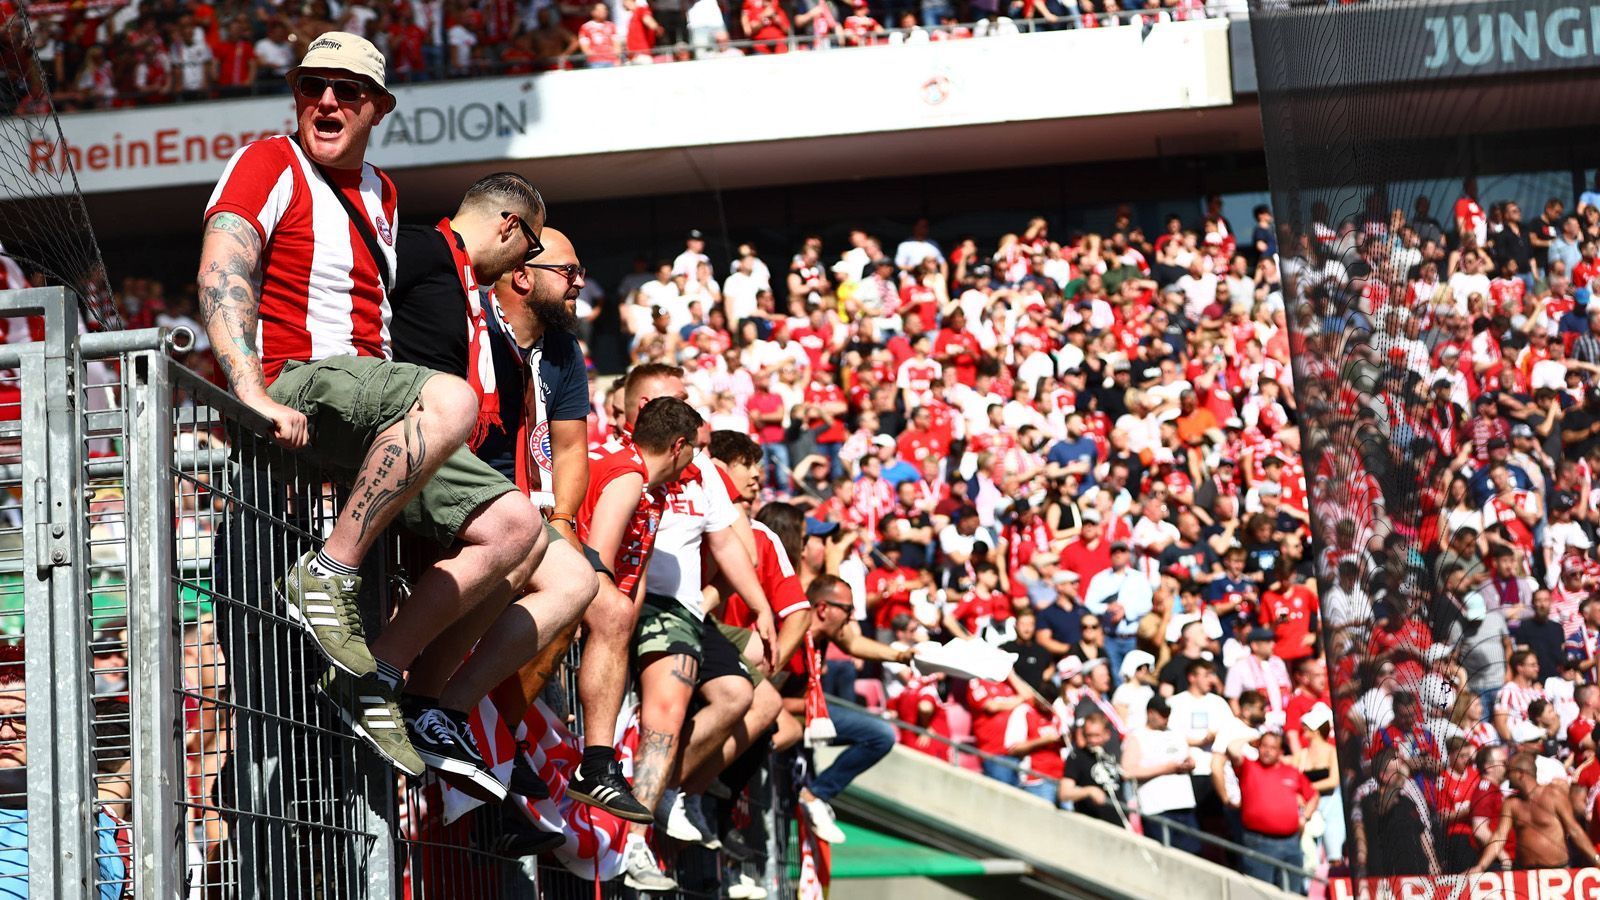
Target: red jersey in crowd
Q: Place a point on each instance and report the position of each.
(893, 587)
(962, 350)
(989, 728)
(1456, 790)
(1267, 803)
(1027, 723)
(612, 461)
(598, 41)
(641, 38)
(778, 581)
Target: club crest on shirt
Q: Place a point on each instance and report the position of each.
(383, 230)
(541, 445)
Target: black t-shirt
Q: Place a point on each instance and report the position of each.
(429, 328)
(1176, 673)
(1579, 418)
(1548, 643)
(1096, 767)
(1032, 660)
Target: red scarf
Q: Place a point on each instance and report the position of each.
(480, 361)
(819, 727)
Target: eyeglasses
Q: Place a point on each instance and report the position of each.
(841, 606)
(345, 90)
(534, 247)
(570, 271)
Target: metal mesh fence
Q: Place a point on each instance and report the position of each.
(180, 706)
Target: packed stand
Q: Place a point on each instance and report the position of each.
(117, 55)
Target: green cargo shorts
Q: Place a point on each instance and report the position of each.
(740, 638)
(665, 627)
(348, 401)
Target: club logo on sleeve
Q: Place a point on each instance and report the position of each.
(383, 230)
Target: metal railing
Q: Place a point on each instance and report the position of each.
(700, 46)
(1284, 871)
(166, 737)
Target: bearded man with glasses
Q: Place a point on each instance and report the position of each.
(447, 317)
(297, 267)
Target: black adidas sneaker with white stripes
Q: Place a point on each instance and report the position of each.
(603, 786)
(443, 738)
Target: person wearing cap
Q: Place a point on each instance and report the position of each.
(1134, 687)
(694, 253)
(1060, 624)
(311, 344)
(1089, 553)
(1318, 760)
(1120, 595)
(1158, 761)
(1260, 671)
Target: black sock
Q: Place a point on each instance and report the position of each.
(390, 675)
(598, 757)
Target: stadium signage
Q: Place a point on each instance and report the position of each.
(554, 115)
(1524, 884)
(428, 125)
(1408, 42)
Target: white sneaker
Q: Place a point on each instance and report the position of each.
(823, 823)
(697, 818)
(640, 869)
(672, 816)
(746, 889)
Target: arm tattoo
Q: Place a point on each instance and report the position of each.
(229, 296)
(393, 464)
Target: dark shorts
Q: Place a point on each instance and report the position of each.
(348, 401)
(720, 659)
(666, 627)
(739, 637)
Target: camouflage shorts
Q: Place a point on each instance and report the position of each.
(666, 627)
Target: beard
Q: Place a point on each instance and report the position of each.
(554, 315)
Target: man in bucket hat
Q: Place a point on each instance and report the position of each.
(295, 269)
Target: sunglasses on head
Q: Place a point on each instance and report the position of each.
(345, 90)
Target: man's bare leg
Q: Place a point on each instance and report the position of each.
(728, 699)
(495, 538)
(765, 706)
(603, 677)
(444, 654)
(666, 685)
(562, 588)
(400, 461)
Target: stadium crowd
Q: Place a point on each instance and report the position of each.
(114, 55)
(1083, 449)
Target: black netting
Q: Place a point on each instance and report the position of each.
(44, 223)
(1382, 122)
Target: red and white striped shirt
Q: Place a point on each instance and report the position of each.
(321, 294)
(1514, 700)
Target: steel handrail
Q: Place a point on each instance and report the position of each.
(1020, 767)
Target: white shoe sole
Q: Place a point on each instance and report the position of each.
(299, 618)
(356, 729)
(479, 777)
(658, 888)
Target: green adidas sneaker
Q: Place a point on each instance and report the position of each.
(371, 710)
(326, 608)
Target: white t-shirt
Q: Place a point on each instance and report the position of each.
(694, 509)
(1193, 717)
(687, 260)
(1164, 793)
(462, 40)
(739, 293)
(1134, 697)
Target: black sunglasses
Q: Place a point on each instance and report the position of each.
(570, 271)
(534, 246)
(345, 90)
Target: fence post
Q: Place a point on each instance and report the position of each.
(61, 846)
(152, 628)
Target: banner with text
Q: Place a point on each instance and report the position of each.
(1526, 884)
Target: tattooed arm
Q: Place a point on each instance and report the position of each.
(230, 289)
